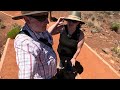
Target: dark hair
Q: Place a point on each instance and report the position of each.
(78, 26)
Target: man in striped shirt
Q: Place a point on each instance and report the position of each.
(35, 56)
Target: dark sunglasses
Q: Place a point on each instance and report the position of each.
(40, 18)
(73, 21)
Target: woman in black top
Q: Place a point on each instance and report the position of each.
(71, 38)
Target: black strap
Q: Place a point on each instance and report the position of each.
(45, 41)
(25, 32)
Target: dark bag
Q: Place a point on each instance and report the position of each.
(78, 67)
(63, 74)
(69, 73)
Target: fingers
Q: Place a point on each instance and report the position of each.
(73, 62)
(61, 19)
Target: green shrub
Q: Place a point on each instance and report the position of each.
(14, 31)
(116, 50)
(115, 27)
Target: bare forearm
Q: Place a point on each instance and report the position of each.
(79, 46)
(76, 54)
(52, 28)
(56, 27)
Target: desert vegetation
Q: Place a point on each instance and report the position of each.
(101, 31)
(14, 31)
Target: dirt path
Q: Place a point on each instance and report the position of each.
(94, 67)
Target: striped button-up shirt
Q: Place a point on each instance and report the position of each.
(35, 59)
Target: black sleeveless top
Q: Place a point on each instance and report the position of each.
(68, 44)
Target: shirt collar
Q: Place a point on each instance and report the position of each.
(34, 34)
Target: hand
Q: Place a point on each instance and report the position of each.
(73, 61)
(60, 20)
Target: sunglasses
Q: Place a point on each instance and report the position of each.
(73, 21)
(40, 18)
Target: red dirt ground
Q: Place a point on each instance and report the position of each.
(94, 68)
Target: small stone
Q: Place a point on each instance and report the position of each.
(112, 61)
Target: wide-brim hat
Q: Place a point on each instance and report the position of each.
(26, 13)
(76, 16)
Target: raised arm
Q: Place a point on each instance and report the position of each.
(56, 27)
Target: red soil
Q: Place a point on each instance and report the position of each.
(94, 67)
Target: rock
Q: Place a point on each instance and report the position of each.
(106, 50)
(114, 55)
(118, 31)
(95, 31)
(111, 61)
